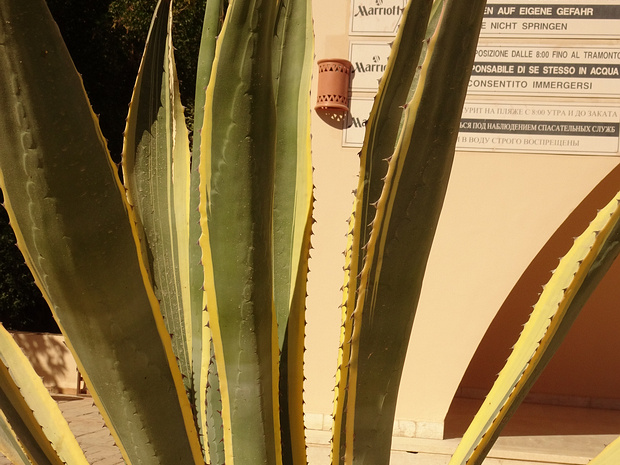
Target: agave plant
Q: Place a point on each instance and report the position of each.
(181, 292)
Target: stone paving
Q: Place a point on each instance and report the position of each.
(89, 429)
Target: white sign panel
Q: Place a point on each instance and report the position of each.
(564, 129)
(353, 135)
(369, 60)
(562, 71)
(552, 18)
(376, 17)
(523, 128)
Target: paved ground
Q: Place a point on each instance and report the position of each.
(90, 431)
(537, 435)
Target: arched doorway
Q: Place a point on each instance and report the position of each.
(585, 372)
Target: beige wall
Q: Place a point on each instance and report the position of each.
(51, 360)
(335, 177)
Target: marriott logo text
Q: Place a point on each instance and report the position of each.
(369, 67)
(363, 10)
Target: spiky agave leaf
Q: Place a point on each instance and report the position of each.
(380, 139)
(203, 365)
(572, 283)
(292, 58)
(10, 445)
(73, 225)
(384, 121)
(291, 364)
(31, 413)
(156, 176)
(402, 233)
(215, 428)
(609, 456)
(236, 198)
(337, 452)
(293, 55)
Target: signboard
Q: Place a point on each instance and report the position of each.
(369, 60)
(376, 17)
(506, 18)
(513, 70)
(353, 135)
(565, 129)
(561, 71)
(516, 127)
(552, 18)
(522, 68)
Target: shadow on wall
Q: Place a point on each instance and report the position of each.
(51, 360)
(584, 374)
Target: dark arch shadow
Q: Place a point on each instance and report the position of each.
(585, 372)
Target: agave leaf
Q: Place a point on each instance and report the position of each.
(207, 401)
(380, 139)
(181, 189)
(433, 21)
(36, 447)
(74, 227)
(215, 428)
(337, 451)
(156, 183)
(211, 27)
(402, 233)
(385, 117)
(572, 283)
(201, 353)
(609, 456)
(291, 365)
(293, 54)
(10, 445)
(293, 57)
(236, 200)
(32, 413)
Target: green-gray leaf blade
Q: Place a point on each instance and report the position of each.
(72, 224)
(293, 52)
(148, 177)
(236, 170)
(402, 233)
(201, 353)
